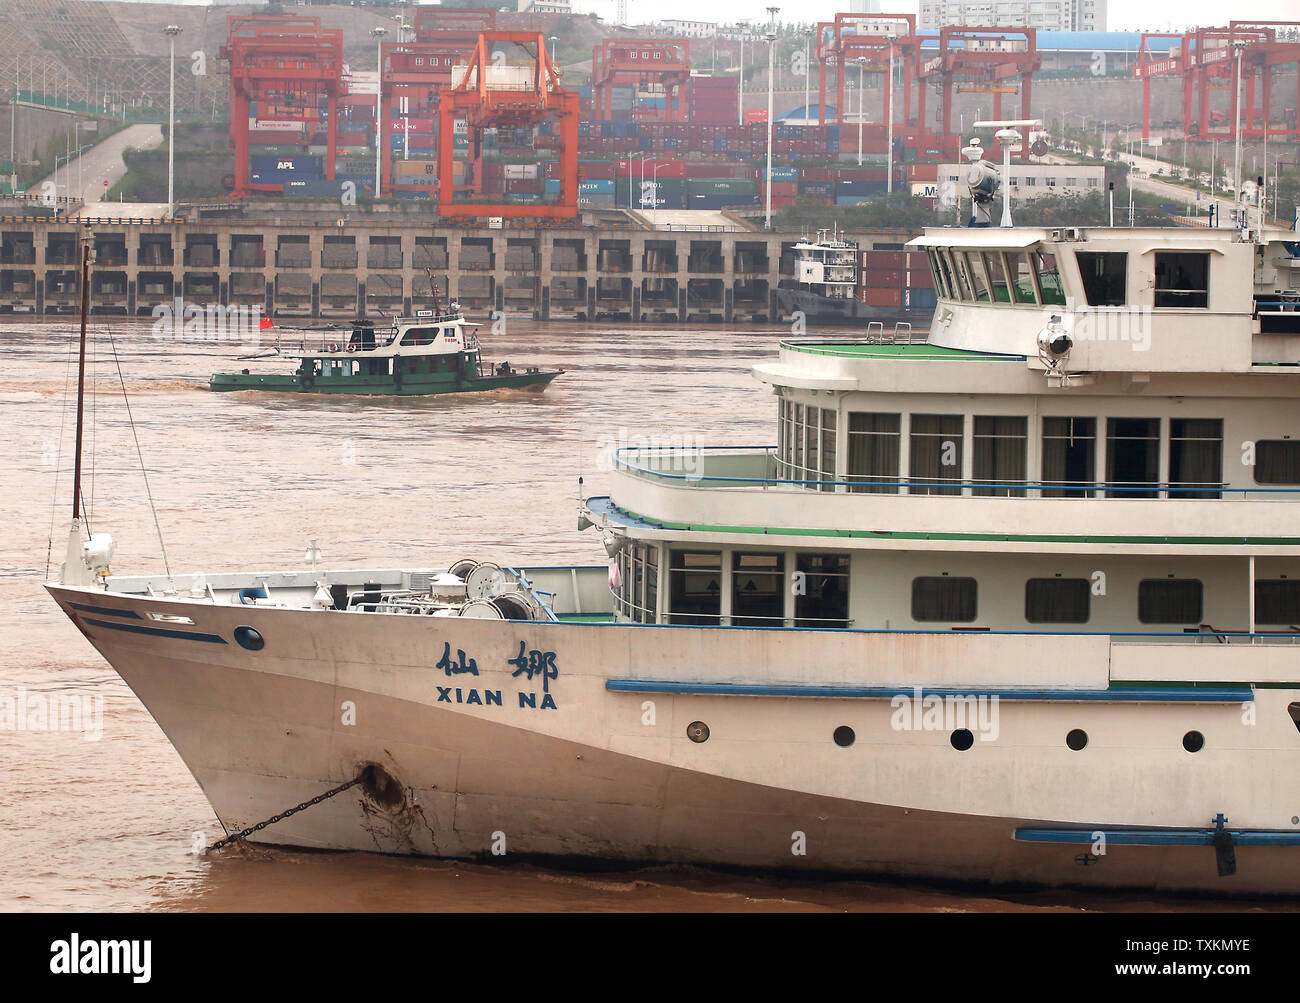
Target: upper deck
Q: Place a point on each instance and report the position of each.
(1127, 300)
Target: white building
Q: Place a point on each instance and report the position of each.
(545, 7)
(690, 29)
(1045, 15)
(1030, 181)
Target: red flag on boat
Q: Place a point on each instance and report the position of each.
(264, 323)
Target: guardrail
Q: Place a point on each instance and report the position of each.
(869, 484)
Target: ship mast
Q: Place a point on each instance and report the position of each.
(75, 571)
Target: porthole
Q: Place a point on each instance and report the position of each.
(1077, 739)
(1193, 741)
(962, 739)
(844, 736)
(697, 731)
(248, 638)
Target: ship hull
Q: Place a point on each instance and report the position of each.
(380, 386)
(565, 766)
(825, 310)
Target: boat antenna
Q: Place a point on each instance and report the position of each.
(433, 291)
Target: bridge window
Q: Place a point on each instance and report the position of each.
(1105, 277)
(1196, 456)
(824, 601)
(828, 447)
(757, 590)
(1001, 453)
(420, 336)
(1058, 600)
(997, 277)
(1170, 600)
(1049, 278)
(1022, 278)
(965, 289)
(1182, 279)
(873, 452)
(1133, 456)
(695, 586)
(1277, 461)
(934, 466)
(980, 283)
(1069, 457)
(1277, 601)
(944, 600)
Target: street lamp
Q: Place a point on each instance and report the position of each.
(740, 75)
(771, 57)
(862, 64)
(889, 136)
(379, 34)
(1238, 45)
(555, 42)
(171, 31)
(403, 31)
(807, 76)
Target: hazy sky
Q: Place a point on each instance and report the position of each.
(1133, 15)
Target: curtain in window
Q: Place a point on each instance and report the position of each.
(935, 438)
(1195, 455)
(874, 452)
(1000, 454)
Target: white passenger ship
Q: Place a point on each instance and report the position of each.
(1020, 604)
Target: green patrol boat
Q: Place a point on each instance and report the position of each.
(434, 352)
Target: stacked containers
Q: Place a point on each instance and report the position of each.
(896, 278)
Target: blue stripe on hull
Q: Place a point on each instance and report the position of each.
(105, 610)
(1157, 837)
(184, 635)
(1124, 694)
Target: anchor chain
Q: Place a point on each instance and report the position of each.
(285, 814)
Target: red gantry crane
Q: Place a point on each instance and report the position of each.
(416, 72)
(663, 67)
(1206, 59)
(984, 59)
(500, 94)
(285, 64)
(868, 37)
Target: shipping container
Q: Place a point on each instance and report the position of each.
(880, 297)
(300, 163)
(409, 167)
(882, 278)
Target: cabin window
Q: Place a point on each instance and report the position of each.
(1022, 277)
(1001, 453)
(421, 336)
(1170, 600)
(945, 276)
(934, 465)
(1069, 457)
(1277, 461)
(824, 600)
(639, 594)
(944, 600)
(932, 259)
(997, 276)
(873, 452)
(1049, 278)
(757, 592)
(796, 440)
(1182, 279)
(965, 288)
(1195, 457)
(695, 586)
(828, 448)
(1105, 277)
(1058, 600)
(1133, 457)
(811, 444)
(977, 276)
(1277, 601)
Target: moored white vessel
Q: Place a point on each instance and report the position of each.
(1020, 604)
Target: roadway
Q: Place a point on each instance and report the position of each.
(99, 169)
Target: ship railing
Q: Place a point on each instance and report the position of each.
(761, 467)
(644, 614)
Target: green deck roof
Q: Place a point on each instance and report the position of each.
(862, 349)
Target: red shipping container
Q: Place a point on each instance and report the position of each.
(880, 297)
(923, 172)
(785, 189)
(817, 174)
(881, 278)
(920, 278)
(883, 259)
